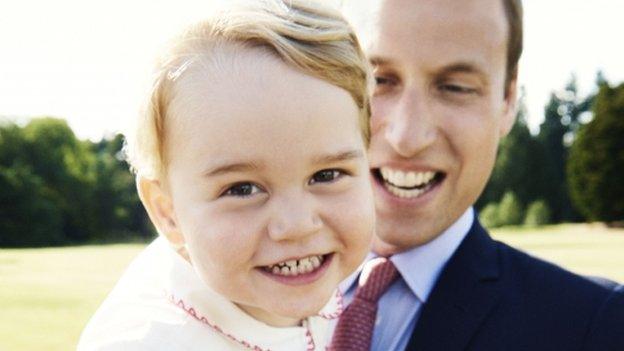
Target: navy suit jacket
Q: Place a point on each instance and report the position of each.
(493, 297)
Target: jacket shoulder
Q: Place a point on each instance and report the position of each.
(590, 306)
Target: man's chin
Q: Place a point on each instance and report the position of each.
(393, 244)
(383, 248)
(390, 240)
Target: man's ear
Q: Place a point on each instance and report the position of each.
(510, 105)
(159, 206)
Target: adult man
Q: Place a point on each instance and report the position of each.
(445, 92)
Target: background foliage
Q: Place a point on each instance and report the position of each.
(57, 189)
(596, 163)
(578, 154)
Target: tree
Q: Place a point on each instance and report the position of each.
(27, 216)
(561, 122)
(537, 214)
(489, 216)
(66, 168)
(12, 144)
(510, 210)
(56, 189)
(596, 163)
(519, 165)
(120, 212)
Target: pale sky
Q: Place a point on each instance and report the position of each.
(88, 61)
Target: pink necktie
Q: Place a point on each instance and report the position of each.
(354, 330)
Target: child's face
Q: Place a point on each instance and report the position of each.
(266, 169)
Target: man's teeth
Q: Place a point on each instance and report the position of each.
(407, 184)
(407, 194)
(406, 179)
(296, 267)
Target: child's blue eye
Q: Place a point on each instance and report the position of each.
(242, 190)
(325, 176)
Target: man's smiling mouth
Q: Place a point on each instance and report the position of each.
(407, 184)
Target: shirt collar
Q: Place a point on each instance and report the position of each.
(421, 265)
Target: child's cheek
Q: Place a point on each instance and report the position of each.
(230, 238)
(351, 219)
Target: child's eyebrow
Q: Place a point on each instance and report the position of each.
(338, 157)
(232, 167)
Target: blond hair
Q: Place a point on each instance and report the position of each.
(304, 34)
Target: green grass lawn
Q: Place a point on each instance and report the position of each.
(590, 249)
(47, 295)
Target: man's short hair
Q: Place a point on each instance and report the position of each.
(514, 12)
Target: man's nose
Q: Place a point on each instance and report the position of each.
(293, 217)
(411, 127)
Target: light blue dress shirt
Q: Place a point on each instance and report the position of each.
(420, 268)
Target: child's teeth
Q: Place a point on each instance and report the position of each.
(296, 267)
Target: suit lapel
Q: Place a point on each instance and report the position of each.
(465, 293)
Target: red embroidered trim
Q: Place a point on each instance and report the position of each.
(193, 313)
(339, 308)
(309, 339)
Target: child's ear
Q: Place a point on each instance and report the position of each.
(159, 206)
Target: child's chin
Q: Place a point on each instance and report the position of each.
(302, 307)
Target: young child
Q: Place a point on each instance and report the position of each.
(251, 163)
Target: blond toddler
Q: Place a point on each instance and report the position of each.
(251, 163)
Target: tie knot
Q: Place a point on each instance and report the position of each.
(376, 277)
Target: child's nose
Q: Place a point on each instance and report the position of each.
(293, 218)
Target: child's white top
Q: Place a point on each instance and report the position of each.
(161, 304)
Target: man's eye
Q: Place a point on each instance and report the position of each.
(457, 89)
(385, 80)
(242, 190)
(326, 176)
(385, 84)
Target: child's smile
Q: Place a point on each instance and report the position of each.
(299, 271)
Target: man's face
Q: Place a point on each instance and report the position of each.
(439, 109)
